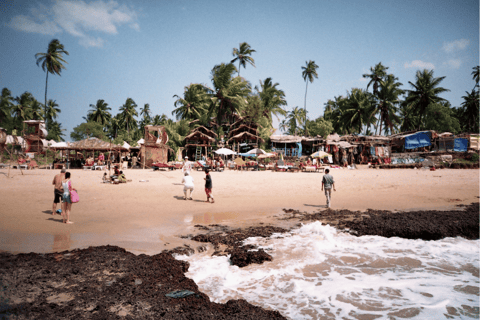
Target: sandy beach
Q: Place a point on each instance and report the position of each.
(149, 214)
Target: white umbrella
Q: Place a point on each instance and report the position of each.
(225, 151)
(256, 151)
(266, 155)
(320, 154)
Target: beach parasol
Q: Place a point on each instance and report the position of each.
(320, 154)
(256, 151)
(225, 151)
(266, 155)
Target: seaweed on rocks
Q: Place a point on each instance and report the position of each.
(240, 255)
(425, 225)
(108, 282)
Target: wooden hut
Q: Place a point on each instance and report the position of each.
(35, 135)
(199, 143)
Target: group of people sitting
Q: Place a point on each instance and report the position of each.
(117, 177)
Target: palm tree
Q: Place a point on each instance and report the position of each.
(309, 73)
(357, 110)
(475, 75)
(128, 112)
(6, 103)
(229, 94)
(242, 54)
(388, 100)
(99, 112)
(145, 112)
(159, 120)
(272, 99)
(51, 112)
(35, 110)
(22, 108)
(194, 103)
(426, 91)
(55, 131)
(378, 73)
(470, 106)
(51, 61)
(294, 120)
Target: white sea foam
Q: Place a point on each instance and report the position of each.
(318, 273)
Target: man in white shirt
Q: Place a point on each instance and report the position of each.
(187, 166)
(188, 185)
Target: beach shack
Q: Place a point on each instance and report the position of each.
(290, 146)
(474, 141)
(243, 136)
(34, 135)
(154, 148)
(199, 143)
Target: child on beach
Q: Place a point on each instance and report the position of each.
(188, 186)
(208, 186)
(328, 183)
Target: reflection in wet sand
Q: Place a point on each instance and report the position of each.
(61, 242)
(210, 217)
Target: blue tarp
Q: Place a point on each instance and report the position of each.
(418, 140)
(461, 145)
(247, 154)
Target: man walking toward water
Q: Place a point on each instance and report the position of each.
(328, 183)
(208, 186)
(58, 191)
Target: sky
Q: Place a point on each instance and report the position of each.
(150, 50)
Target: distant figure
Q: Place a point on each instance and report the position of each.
(101, 159)
(208, 186)
(328, 183)
(105, 178)
(122, 177)
(188, 186)
(187, 166)
(67, 201)
(58, 190)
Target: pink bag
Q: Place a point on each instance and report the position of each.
(73, 194)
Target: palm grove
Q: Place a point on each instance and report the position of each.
(385, 106)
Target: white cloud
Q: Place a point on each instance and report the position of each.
(79, 19)
(419, 64)
(455, 45)
(453, 63)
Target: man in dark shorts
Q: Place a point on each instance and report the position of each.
(208, 186)
(58, 191)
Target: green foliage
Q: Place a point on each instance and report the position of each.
(88, 130)
(440, 117)
(319, 127)
(475, 157)
(242, 54)
(55, 131)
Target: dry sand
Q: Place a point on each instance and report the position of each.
(148, 217)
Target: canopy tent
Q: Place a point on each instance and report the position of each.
(225, 151)
(418, 140)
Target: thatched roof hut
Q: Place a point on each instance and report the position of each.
(90, 144)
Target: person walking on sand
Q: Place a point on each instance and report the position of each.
(187, 166)
(328, 183)
(58, 191)
(67, 201)
(208, 186)
(188, 186)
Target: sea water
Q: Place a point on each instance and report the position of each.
(320, 273)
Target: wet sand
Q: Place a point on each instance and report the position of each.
(148, 217)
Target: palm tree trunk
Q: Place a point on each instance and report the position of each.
(305, 108)
(46, 86)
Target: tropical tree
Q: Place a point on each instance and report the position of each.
(357, 110)
(470, 111)
(145, 112)
(441, 118)
(475, 75)
(159, 120)
(35, 110)
(55, 131)
(272, 99)
(229, 93)
(294, 121)
(319, 127)
(242, 54)
(6, 103)
(51, 61)
(388, 101)
(128, 113)
(378, 73)
(309, 73)
(425, 92)
(21, 109)
(51, 112)
(194, 103)
(99, 112)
